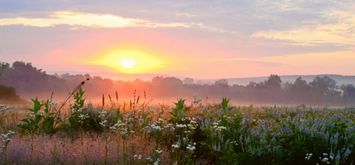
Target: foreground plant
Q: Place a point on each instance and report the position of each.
(40, 119)
(178, 112)
(6, 139)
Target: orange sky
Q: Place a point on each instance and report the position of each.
(197, 39)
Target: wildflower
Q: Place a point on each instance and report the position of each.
(113, 128)
(159, 151)
(160, 120)
(41, 113)
(220, 128)
(156, 162)
(191, 147)
(149, 158)
(216, 148)
(325, 160)
(338, 157)
(308, 156)
(191, 126)
(103, 123)
(169, 126)
(234, 142)
(215, 124)
(123, 131)
(180, 126)
(193, 121)
(79, 109)
(82, 117)
(137, 157)
(331, 157)
(175, 145)
(117, 125)
(156, 127)
(102, 114)
(347, 151)
(7, 137)
(31, 115)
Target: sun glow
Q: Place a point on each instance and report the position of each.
(131, 61)
(127, 63)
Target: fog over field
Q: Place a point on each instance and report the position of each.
(30, 82)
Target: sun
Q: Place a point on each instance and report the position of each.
(131, 61)
(128, 63)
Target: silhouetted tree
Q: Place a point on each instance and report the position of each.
(30, 81)
(348, 92)
(3, 67)
(220, 88)
(323, 88)
(323, 85)
(221, 83)
(188, 81)
(299, 91)
(273, 82)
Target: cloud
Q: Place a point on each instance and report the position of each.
(71, 18)
(249, 61)
(341, 62)
(341, 32)
(94, 20)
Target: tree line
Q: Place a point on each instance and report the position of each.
(30, 81)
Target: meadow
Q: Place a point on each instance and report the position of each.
(186, 132)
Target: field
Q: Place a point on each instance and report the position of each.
(183, 133)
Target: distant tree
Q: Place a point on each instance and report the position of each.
(324, 89)
(252, 84)
(3, 67)
(300, 84)
(270, 90)
(157, 80)
(273, 82)
(167, 86)
(27, 79)
(188, 81)
(323, 85)
(348, 92)
(220, 88)
(172, 82)
(221, 83)
(299, 91)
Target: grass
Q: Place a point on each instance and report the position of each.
(177, 134)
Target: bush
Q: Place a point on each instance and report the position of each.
(40, 119)
(8, 93)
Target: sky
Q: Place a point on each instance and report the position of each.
(183, 38)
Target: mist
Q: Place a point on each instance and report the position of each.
(26, 81)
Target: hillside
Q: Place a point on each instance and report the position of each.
(340, 79)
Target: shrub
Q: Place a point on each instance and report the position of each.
(40, 119)
(8, 93)
(178, 112)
